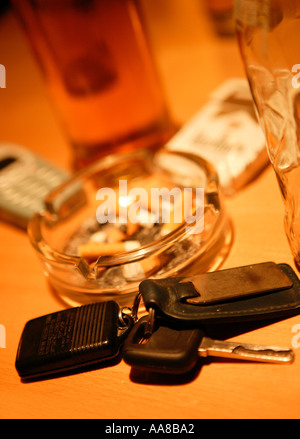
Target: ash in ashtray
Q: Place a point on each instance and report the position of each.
(93, 240)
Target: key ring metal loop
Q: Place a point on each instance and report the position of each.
(122, 320)
(148, 329)
(134, 315)
(133, 311)
(135, 307)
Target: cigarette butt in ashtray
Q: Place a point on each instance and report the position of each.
(115, 234)
(135, 271)
(92, 250)
(171, 206)
(131, 228)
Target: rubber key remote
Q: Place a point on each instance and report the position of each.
(71, 339)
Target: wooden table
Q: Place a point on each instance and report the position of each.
(192, 61)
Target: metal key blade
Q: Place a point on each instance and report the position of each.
(243, 351)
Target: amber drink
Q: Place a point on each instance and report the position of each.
(99, 70)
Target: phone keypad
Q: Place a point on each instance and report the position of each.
(22, 191)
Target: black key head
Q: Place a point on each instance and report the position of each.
(169, 349)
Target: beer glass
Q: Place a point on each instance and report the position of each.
(100, 72)
(269, 38)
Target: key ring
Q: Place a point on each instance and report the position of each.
(148, 329)
(122, 321)
(133, 310)
(134, 315)
(135, 307)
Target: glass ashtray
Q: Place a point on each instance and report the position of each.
(130, 217)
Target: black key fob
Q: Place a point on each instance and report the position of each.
(257, 292)
(71, 339)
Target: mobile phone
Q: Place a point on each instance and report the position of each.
(25, 180)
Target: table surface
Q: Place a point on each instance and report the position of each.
(192, 60)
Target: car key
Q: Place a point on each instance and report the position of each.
(72, 338)
(175, 350)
